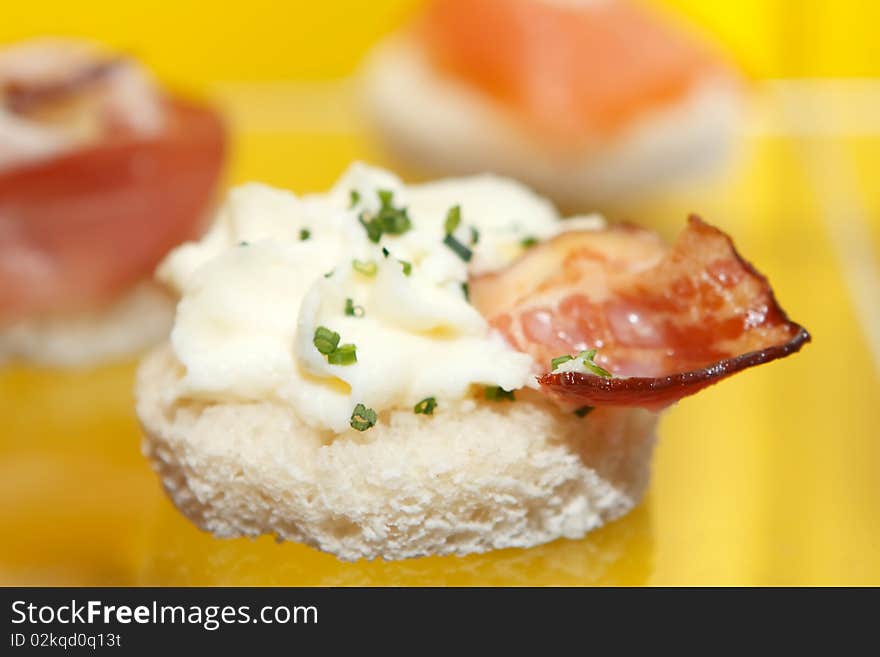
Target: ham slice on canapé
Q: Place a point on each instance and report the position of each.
(100, 175)
(80, 229)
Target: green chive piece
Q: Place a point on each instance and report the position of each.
(329, 273)
(304, 234)
(458, 248)
(598, 370)
(325, 340)
(365, 267)
(385, 252)
(475, 236)
(588, 357)
(344, 354)
(583, 411)
(466, 291)
(389, 219)
(453, 219)
(243, 243)
(372, 226)
(426, 406)
(352, 310)
(497, 393)
(354, 196)
(528, 242)
(395, 221)
(362, 418)
(559, 360)
(392, 220)
(407, 267)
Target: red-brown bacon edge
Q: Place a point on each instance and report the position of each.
(655, 393)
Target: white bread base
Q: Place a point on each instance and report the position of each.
(480, 476)
(133, 323)
(441, 126)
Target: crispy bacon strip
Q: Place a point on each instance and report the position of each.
(667, 322)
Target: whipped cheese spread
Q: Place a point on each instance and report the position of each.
(291, 298)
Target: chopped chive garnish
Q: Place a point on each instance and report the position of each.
(453, 219)
(352, 310)
(475, 235)
(458, 248)
(426, 406)
(466, 291)
(394, 221)
(389, 219)
(407, 266)
(362, 418)
(589, 363)
(559, 360)
(344, 354)
(329, 273)
(497, 393)
(598, 370)
(325, 340)
(528, 242)
(304, 234)
(372, 226)
(243, 243)
(583, 411)
(365, 267)
(353, 196)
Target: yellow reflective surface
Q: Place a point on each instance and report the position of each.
(769, 478)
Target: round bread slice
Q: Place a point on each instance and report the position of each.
(438, 125)
(475, 476)
(128, 326)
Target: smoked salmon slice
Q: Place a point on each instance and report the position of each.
(571, 70)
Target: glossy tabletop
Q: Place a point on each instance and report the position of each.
(768, 478)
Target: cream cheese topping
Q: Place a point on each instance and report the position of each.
(275, 267)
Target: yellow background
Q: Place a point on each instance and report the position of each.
(190, 42)
(769, 478)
